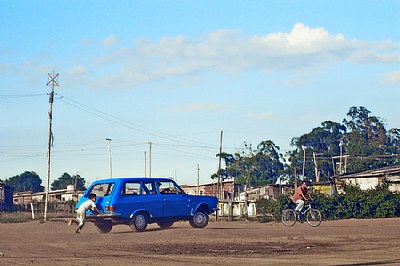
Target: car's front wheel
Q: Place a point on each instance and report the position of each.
(139, 222)
(199, 220)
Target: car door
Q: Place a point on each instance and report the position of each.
(174, 201)
(136, 195)
(150, 198)
(128, 199)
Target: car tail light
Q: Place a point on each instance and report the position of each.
(110, 208)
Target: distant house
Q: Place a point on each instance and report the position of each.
(371, 178)
(267, 192)
(235, 191)
(55, 196)
(231, 190)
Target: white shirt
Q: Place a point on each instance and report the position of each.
(87, 205)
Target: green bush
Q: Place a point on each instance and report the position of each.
(379, 202)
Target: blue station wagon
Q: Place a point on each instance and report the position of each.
(139, 201)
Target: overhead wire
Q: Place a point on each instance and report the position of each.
(125, 123)
(13, 96)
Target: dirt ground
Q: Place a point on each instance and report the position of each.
(345, 242)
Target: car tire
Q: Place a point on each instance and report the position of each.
(165, 224)
(104, 227)
(199, 219)
(139, 222)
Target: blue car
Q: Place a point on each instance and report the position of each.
(139, 201)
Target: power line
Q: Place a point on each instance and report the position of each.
(124, 123)
(15, 96)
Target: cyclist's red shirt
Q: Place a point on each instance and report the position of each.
(299, 194)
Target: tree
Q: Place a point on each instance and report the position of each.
(367, 141)
(254, 167)
(322, 141)
(27, 181)
(66, 180)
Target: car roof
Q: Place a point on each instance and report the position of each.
(118, 179)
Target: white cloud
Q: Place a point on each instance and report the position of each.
(6, 68)
(303, 48)
(260, 116)
(77, 70)
(199, 107)
(87, 42)
(110, 40)
(392, 77)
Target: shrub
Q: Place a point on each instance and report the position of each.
(379, 202)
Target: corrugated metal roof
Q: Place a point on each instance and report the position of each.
(385, 171)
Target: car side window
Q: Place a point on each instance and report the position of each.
(131, 188)
(168, 187)
(148, 188)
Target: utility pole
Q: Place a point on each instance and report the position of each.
(316, 167)
(219, 186)
(198, 179)
(145, 164)
(53, 81)
(150, 159)
(341, 154)
(109, 157)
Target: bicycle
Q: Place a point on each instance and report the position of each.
(313, 216)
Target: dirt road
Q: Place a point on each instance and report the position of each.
(346, 242)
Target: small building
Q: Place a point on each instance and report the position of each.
(371, 178)
(55, 196)
(231, 190)
(267, 192)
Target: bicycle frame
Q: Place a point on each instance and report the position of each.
(312, 216)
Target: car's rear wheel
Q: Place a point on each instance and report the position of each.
(139, 222)
(165, 224)
(104, 227)
(199, 219)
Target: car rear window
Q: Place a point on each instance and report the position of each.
(103, 189)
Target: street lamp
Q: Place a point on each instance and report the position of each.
(304, 159)
(109, 156)
(341, 155)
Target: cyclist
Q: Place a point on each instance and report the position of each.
(300, 196)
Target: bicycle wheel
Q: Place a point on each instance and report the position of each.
(288, 217)
(314, 217)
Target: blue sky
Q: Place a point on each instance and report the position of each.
(176, 73)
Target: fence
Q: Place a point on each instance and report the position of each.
(237, 209)
(38, 207)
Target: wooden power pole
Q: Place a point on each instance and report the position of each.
(219, 186)
(198, 179)
(53, 81)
